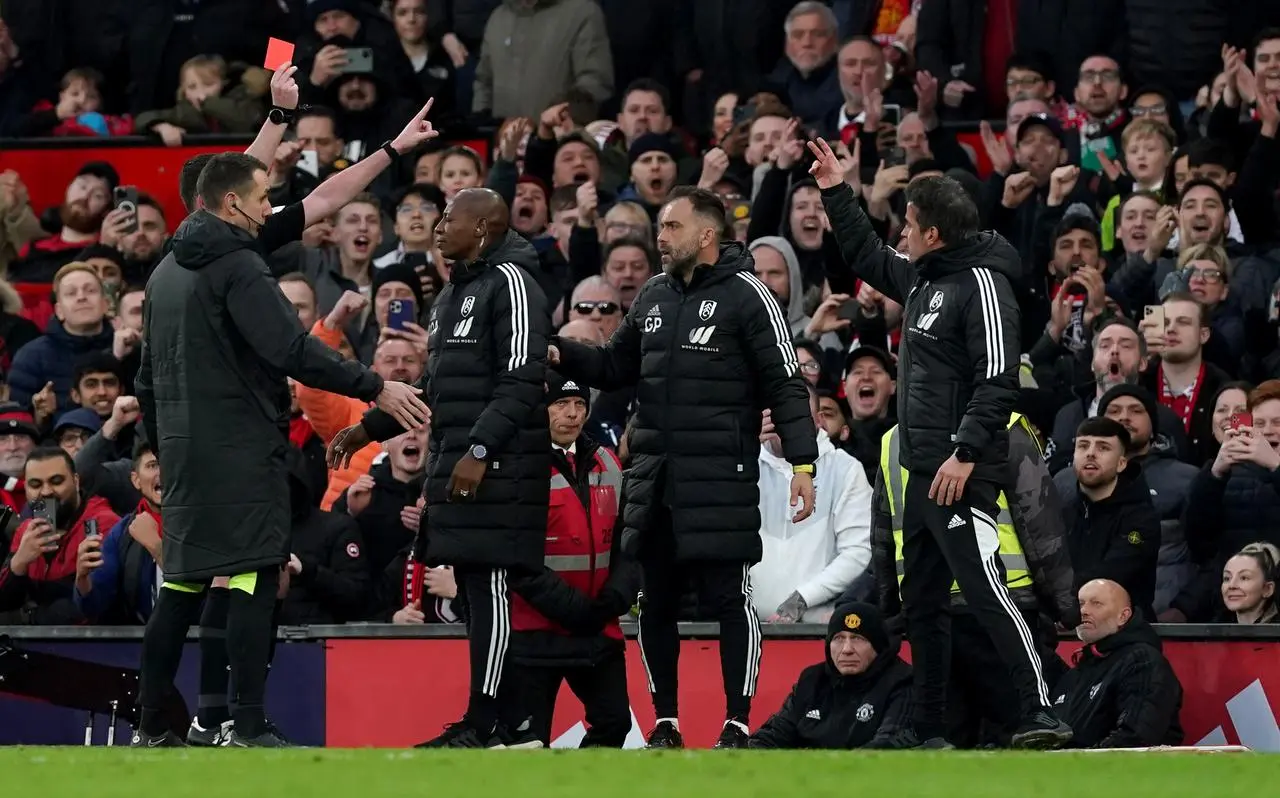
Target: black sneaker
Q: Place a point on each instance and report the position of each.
(166, 740)
(200, 737)
(519, 738)
(664, 735)
(1043, 732)
(732, 736)
(908, 740)
(265, 740)
(273, 729)
(463, 735)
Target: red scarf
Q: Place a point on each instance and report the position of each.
(300, 431)
(1182, 404)
(144, 507)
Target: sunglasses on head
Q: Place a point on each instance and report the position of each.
(605, 308)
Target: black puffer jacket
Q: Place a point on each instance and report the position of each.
(959, 352)
(827, 710)
(484, 383)
(1117, 538)
(708, 358)
(1122, 692)
(334, 583)
(384, 534)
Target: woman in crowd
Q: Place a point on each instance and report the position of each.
(1249, 585)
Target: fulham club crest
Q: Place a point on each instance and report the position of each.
(707, 309)
(470, 302)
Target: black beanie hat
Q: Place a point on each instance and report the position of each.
(1137, 392)
(560, 388)
(863, 620)
(652, 142)
(401, 272)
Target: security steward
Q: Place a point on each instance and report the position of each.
(858, 698)
(1038, 576)
(565, 620)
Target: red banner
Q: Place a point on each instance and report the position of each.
(395, 693)
(154, 170)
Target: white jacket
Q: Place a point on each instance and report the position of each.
(822, 555)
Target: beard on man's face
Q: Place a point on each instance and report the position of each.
(75, 216)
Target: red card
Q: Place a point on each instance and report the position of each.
(279, 53)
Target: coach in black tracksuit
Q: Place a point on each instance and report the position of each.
(708, 347)
(486, 486)
(957, 383)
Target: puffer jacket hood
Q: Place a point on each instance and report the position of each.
(794, 305)
(512, 248)
(987, 249)
(204, 238)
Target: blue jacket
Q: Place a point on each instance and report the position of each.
(122, 586)
(52, 358)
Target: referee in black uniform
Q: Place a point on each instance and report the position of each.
(958, 381)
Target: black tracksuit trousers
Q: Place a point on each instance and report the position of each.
(959, 542)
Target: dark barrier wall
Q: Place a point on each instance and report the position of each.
(297, 682)
(352, 686)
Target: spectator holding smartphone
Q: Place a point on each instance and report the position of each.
(1233, 501)
(37, 579)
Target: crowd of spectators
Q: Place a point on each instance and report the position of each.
(1134, 165)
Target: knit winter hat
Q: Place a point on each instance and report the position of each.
(861, 619)
(1137, 392)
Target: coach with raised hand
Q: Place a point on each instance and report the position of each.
(219, 340)
(709, 349)
(487, 490)
(957, 383)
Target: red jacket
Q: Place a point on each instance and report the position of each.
(48, 581)
(579, 547)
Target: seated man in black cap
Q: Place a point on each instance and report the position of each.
(858, 698)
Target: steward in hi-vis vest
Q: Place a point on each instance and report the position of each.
(1030, 527)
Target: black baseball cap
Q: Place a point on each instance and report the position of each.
(1047, 121)
(876, 352)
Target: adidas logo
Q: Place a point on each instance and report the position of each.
(955, 521)
(570, 385)
(813, 714)
(653, 311)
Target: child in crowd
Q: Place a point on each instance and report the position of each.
(78, 111)
(460, 168)
(212, 98)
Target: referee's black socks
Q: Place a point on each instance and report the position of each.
(176, 611)
(249, 622)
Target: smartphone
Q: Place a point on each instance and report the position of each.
(401, 312)
(126, 198)
(1239, 420)
(895, 156)
(744, 113)
(1155, 315)
(891, 114)
(45, 510)
(91, 528)
(359, 61)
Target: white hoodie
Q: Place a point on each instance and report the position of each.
(822, 555)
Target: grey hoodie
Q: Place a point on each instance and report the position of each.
(794, 306)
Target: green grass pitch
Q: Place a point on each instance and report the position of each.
(370, 773)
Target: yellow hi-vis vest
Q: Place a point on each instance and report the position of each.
(895, 481)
